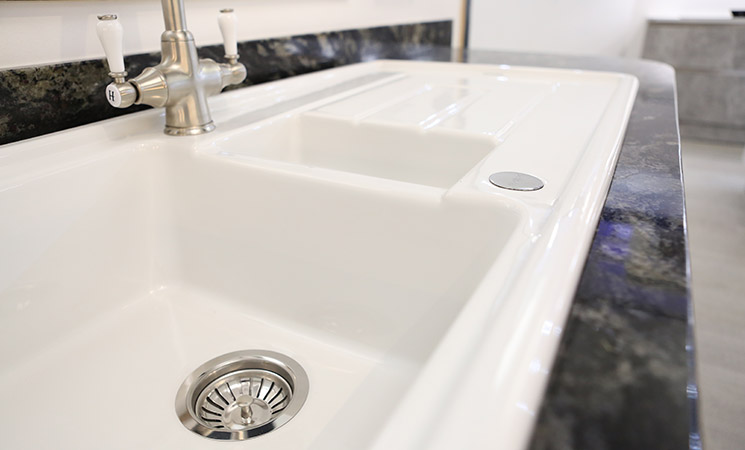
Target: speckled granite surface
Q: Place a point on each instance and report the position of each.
(621, 377)
(40, 100)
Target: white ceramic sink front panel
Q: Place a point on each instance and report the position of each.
(342, 218)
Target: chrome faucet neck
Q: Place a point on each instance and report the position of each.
(174, 16)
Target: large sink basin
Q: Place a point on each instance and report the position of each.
(343, 218)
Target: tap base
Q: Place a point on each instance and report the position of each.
(189, 131)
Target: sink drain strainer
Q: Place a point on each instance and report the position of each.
(242, 395)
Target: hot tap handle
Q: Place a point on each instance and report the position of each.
(110, 34)
(120, 93)
(227, 21)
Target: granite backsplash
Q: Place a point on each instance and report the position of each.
(44, 99)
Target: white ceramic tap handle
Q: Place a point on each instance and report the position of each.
(227, 21)
(110, 34)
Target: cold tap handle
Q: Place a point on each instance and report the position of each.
(227, 22)
(110, 34)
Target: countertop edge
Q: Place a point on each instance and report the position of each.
(624, 376)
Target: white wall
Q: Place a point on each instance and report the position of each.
(608, 27)
(55, 31)
(604, 27)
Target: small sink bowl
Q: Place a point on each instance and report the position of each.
(344, 219)
(438, 158)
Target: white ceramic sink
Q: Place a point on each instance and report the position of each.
(343, 218)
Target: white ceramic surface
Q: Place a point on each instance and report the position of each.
(343, 218)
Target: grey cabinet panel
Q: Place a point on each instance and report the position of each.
(709, 59)
(708, 132)
(711, 97)
(695, 46)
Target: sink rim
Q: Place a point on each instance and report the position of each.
(586, 213)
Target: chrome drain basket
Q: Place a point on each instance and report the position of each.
(242, 395)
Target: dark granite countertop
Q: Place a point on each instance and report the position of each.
(623, 378)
